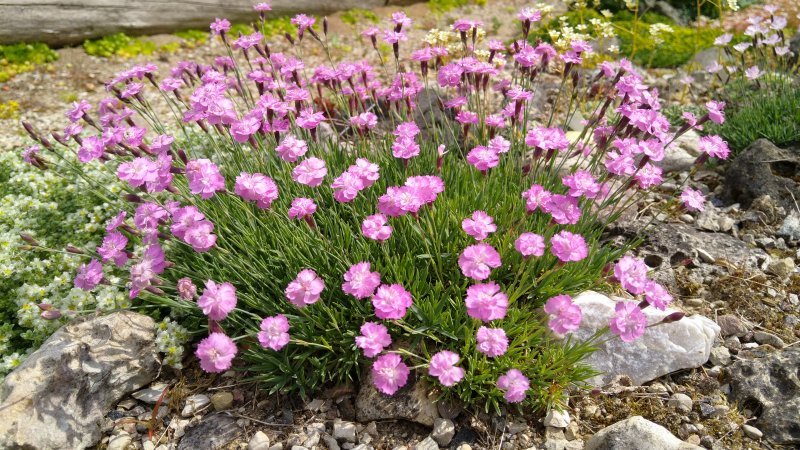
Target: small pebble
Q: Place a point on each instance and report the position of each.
(222, 401)
(443, 431)
(681, 403)
(752, 432)
(556, 419)
(259, 441)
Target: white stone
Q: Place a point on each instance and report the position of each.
(663, 349)
(680, 402)
(427, 444)
(259, 441)
(556, 419)
(443, 431)
(120, 442)
(195, 404)
(150, 395)
(636, 433)
(344, 431)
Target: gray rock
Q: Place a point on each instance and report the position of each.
(58, 396)
(731, 325)
(663, 349)
(682, 154)
(681, 403)
(150, 394)
(704, 58)
(413, 402)
(213, 432)
(427, 444)
(443, 431)
(344, 431)
(752, 432)
(259, 441)
(119, 441)
(764, 338)
(556, 419)
(636, 433)
(781, 268)
(195, 404)
(330, 442)
(666, 9)
(720, 356)
(770, 387)
(222, 400)
(763, 169)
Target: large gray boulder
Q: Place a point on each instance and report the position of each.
(57, 398)
(414, 402)
(764, 169)
(67, 22)
(770, 388)
(663, 349)
(636, 433)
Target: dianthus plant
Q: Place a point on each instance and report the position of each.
(328, 225)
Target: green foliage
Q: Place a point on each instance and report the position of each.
(9, 110)
(357, 15)
(442, 6)
(678, 47)
(269, 28)
(195, 37)
(772, 113)
(119, 44)
(19, 58)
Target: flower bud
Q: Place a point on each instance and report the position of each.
(674, 317)
(51, 314)
(29, 239)
(133, 198)
(73, 249)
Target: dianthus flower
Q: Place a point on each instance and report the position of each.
(426, 187)
(91, 148)
(629, 322)
(406, 130)
(649, 176)
(391, 302)
(715, 111)
(499, 145)
(256, 187)
(366, 120)
(693, 200)
(274, 332)
(565, 316)
(220, 26)
(199, 236)
(216, 352)
(515, 384)
(144, 272)
(186, 289)
(149, 216)
(483, 158)
(631, 273)
(368, 172)
(530, 244)
(303, 21)
(405, 148)
(310, 172)
(713, 146)
(217, 300)
(486, 302)
(492, 342)
(89, 275)
(373, 339)
(346, 187)
(78, 110)
(467, 117)
(389, 373)
(113, 248)
(656, 295)
(443, 366)
(305, 289)
(477, 261)
(547, 138)
(262, 7)
(564, 209)
(204, 178)
(241, 130)
(375, 227)
(582, 183)
(309, 119)
(567, 246)
(138, 172)
(535, 197)
(291, 148)
(359, 281)
(479, 226)
(184, 218)
(450, 75)
(301, 208)
(620, 163)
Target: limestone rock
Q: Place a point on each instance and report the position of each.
(770, 386)
(763, 169)
(636, 433)
(663, 349)
(412, 402)
(443, 431)
(790, 228)
(58, 396)
(213, 432)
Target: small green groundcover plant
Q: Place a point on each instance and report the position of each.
(759, 79)
(23, 57)
(317, 224)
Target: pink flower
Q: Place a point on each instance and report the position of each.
(186, 289)
(91, 148)
(241, 130)
(629, 321)
(373, 339)
(204, 178)
(149, 215)
(564, 209)
(535, 197)
(116, 221)
(29, 154)
(359, 281)
(529, 15)
(217, 300)
(443, 366)
(479, 226)
(713, 146)
(467, 117)
(291, 148)
(656, 295)
(346, 187)
(274, 332)
(305, 289)
(530, 244)
(547, 138)
(477, 261)
(582, 183)
(185, 218)
(78, 110)
(499, 145)
(310, 172)
(631, 273)
(262, 7)
(216, 352)
(483, 158)
(492, 342)
(514, 383)
(144, 272)
(375, 227)
(256, 187)
(89, 275)
(450, 75)
(220, 26)
(693, 200)
(366, 120)
(389, 373)
(568, 246)
(426, 187)
(199, 236)
(309, 119)
(565, 316)
(391, 302)
(486, 302)
(367, 171)
(302, 208)
(406, 130)
(113, 248)
(649, 176)
(405, 148)
(753, 73)
(303, 21)
(138, 172)
(715, 111)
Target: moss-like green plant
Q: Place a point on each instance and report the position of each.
(442, 6)
(677, 47)
(358, 15)
(193, 37)
(23, 57)
(119, 44)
